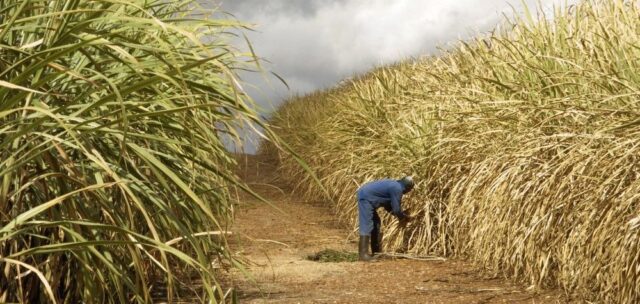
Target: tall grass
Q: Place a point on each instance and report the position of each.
(114, 182)
(525, 144)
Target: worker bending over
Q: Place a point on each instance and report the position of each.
(386, 193)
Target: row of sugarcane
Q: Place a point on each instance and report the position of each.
(115, 179)
(524, 143)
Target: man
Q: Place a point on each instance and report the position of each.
(386, 193)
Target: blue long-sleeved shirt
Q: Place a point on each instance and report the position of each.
(385, 193)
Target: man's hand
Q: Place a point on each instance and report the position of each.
(405, 220)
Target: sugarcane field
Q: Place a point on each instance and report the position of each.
(319, 151)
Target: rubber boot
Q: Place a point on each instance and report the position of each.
(376, 242)
(363, 249)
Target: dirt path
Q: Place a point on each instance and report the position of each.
(278, 243)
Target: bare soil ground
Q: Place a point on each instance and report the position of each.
(277, 243)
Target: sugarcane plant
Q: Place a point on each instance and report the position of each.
(114, 178)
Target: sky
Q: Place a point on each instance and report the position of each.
(314, 44)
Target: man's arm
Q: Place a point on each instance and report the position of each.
(396, 206)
